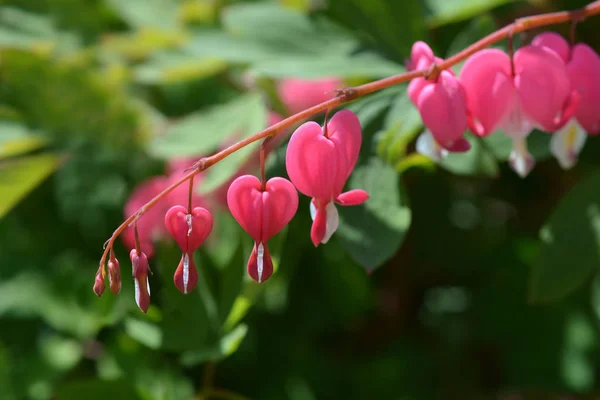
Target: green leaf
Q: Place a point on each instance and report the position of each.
(202, 132)
(228, 344)
(167, 68)
(478, 161)
(373, 231)
(343, 66)
(570, 243)
(95, 389)
(538, 144)
(15, 139)
(441, 12)
(144, 332)
(145, 13)
(395, 24)
(19, 177)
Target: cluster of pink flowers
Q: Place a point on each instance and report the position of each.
(548, 85)
(319, 160)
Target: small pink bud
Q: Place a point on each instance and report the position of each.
(140, 271)
(186, 275)
(99, 285)
(114, 275)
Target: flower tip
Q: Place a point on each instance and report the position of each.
(114, 276)
(186, 275)
(99, 285)
(260, 265)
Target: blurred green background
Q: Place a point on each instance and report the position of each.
(458, 281)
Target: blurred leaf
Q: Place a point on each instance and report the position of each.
(172, 67)
(478, 161)
(95, 389)
(202, 132)
(538, 144)
(142, 43)
(570, 243)
(15, 139)
(441, 12)
(144, 332)
(225, 347)
(478, 28)
(581, 339)
(343, 66)
(19, 177)
(395, 24)
(373, 231)
(61, 353)
(143, 13)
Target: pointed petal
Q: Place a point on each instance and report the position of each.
(315, 165)
(280, 203)
(333, 221)
(489, 89)
(245, 203)
(186, 275)
(420, 50)
(260, 265)
(567, 143)
(460, 145)
(555, 42)
(352, 197)
(319, 226)
(443, 109)
(520, 160)
(415, 87)
(140, 269)
(188, 230)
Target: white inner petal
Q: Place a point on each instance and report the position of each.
(137, 291)
(520, 160)
(333, 221)
(567, 143)
(260, 252)
(188, 218)
(313, 210)
(186, 272)
(515, 123)
(429, 147)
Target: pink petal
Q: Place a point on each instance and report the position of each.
(555, 42)
(188, 230)
(299, 94)
(315, 164)
(460, 145)
(420, 50)
(186, 275)
(244, 200)
(489, 89)
(352, 197)
(280, 203)
(345, 131)
(442, 108)
(584, 72)
(542, 85)
(319, 226)
(415, 87)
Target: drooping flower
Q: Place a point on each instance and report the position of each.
(114, 275)
(189, 230)
(319, 161)
(140, 270)
(440, 101)
(262, 211)
(299, 94)
(538, 94)
(583, 69)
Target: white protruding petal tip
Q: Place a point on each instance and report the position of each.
(188, 219)
(313, 210)
(260, 253)
(136, 285)
(429, 147)
(567, 143)
(186, 272)
(333, 221)
(520, 160)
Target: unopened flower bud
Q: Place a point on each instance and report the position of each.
(140, 271)
(114, 275)
(99, 285)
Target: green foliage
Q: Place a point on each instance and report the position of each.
(457, 273)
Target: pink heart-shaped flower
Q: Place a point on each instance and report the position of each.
(189, 230)
(584, 73)
(262, 213)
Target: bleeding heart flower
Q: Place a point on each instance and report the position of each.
(537, 95)
(319, 161)
(114, 275)
(583, 69)
(440, 101)
(299, 94)
(140, 270)
(262, 211)
(189, 230)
